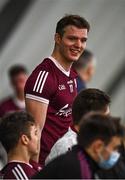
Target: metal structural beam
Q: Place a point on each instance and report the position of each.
(10, 15)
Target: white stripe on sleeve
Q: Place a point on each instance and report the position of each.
(40, 81)
(37, 81)
(22, 171)
(17, 173)
(43, 82)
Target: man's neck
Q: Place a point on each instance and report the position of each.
(20, 96)
(19, 155)
(62, 61)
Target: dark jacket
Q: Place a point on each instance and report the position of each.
(72, 165)
(69, 166)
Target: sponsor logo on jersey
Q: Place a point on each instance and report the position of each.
(62, 87)
(64, 111)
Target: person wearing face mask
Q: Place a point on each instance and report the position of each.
(98, 139)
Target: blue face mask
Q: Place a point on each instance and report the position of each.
(107, 164)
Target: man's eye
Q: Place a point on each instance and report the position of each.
(71, 38)
(83, 40)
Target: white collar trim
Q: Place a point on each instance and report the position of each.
(67, 73)
(16, 161)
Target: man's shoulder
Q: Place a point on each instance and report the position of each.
(7, 105)
(17, 169)
(12, 165)
(45, 70)
(46, 65)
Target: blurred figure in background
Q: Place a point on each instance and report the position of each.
(85, 67)
(17, 76)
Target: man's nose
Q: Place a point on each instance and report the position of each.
(78, 43)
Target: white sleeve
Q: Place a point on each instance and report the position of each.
(63, 145)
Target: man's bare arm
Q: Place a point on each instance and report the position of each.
(38, 110)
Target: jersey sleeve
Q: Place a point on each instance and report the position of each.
(40, 86)
(16, 173)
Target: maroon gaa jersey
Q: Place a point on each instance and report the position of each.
(9, 105)
(18, 170)
(49, 83)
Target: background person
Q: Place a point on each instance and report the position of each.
(98, 140)
(20, 137)
(85, 67)
(17, 77)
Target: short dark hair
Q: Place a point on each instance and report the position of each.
(98, 126)
(74, 20)
(16, 69)
(87, 100)
(12, 126)
(83, 60)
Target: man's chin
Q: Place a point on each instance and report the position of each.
(75, 59)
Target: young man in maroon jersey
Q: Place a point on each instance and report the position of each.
(20, 137)
(51, 88)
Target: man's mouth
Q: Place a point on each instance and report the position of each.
(75, 51)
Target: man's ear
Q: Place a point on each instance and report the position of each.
(57, 38)
(24, 139)
(97, 146)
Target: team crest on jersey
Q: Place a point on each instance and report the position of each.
(75, 83)
(61, 87)
(70, 83)
(71, 87)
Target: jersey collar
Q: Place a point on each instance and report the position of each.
(67, 73)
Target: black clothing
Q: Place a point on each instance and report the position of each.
(75, 164)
